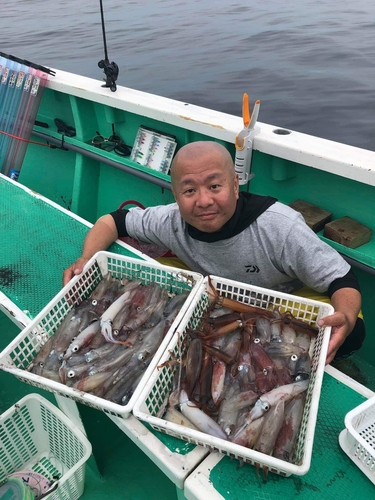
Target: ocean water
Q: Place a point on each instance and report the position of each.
(310, 62)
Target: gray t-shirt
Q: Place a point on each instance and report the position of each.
(278, 250)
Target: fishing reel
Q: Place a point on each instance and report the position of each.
(111, 71)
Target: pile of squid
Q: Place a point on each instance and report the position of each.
(104, 345)
(243, 377)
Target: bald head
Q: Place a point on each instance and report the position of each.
(205, 185)
(195, 151)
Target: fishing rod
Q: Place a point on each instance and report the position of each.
(111, 70)
(28, 63)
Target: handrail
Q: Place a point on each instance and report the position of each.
(95, 156)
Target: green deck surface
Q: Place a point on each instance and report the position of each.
(332, 474)
(38, 242)
(124, 470)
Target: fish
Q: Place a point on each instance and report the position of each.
(91, 382)
(287, 437)
(303, 367)
(269, 431)
(263, 328)
(193, 365)
(84, 338)
(176, 417)
(110, 295)
(269, 399)
(108, 316)
(234, 401)
(218, 378)
(202, 422)
(303, 340)
(117, 359)
(248, 433)
(272, 423)
(288, 334)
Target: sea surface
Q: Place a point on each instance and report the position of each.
(310, 62)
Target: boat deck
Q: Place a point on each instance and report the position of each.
(39, 240)
(332, 474)
(129, 460)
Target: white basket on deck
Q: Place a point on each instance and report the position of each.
(153, 400)
(19, 354)
(36, 436)
(358, 439)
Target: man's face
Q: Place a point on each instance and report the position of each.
(206, 191)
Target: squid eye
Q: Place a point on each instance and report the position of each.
(141, 356)
(41, 364)
(265, 371)
(294, 357)
(94, 302)
(257, 340)
(70, 373)
(266, 406)
(116, 332)
(75, 348)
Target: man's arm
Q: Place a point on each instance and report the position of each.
(347, 304)
(100, 237)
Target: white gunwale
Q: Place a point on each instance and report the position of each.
(340, 159)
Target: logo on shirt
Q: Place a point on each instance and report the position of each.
(251, 268)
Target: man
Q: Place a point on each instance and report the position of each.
(253, 239)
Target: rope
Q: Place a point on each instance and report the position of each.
(25, 140)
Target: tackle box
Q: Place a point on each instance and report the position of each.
(358, 438)
(19, 354)
(153, 400)
(37, 438)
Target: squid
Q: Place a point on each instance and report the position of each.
(198, 418)
(284, 392)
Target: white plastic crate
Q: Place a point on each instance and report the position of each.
(37, 436)
(358, 439)
(16, 357)
(153, 399)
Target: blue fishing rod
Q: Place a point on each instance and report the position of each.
(111, 70)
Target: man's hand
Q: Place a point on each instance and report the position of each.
(100, 237)
(346, 303)
(73, 270)
(341, 328)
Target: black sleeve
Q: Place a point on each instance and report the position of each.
(119, 217)
(348, 281)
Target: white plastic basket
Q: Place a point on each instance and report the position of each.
(16, 357)
(153, 399)
(358, 439)
(37, 436)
